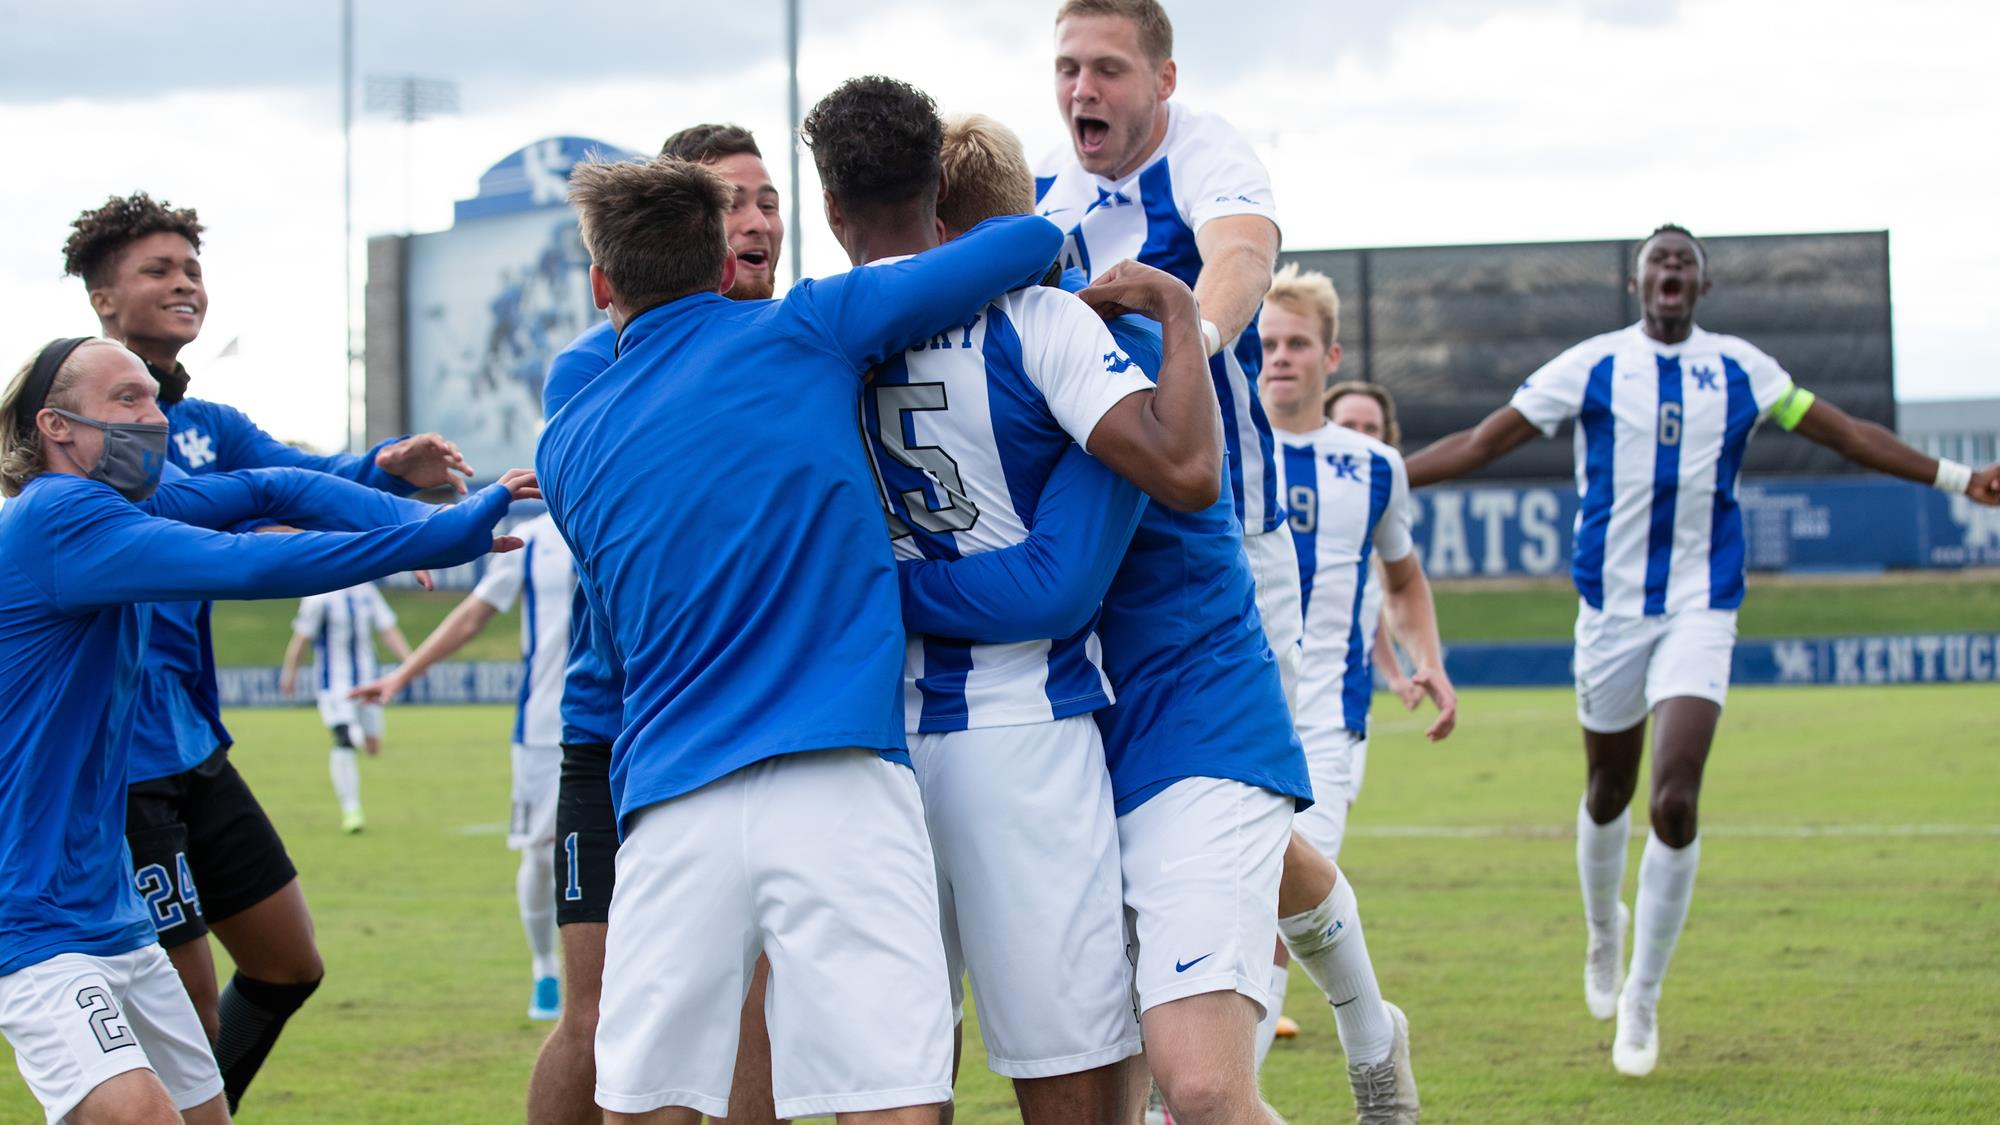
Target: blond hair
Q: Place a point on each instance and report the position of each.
(985, 173)
(656, 229)
(1156, 31)
(1310, 294)
(22, 458)
(1392, 431)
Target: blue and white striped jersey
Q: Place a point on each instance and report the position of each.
(964, 431)
(342, 627)
(1660, 435)
(543, 578)
(1347, 497)
(1203, 170)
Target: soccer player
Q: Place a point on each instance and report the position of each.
(964, 429)
(541, 576)
(1371, 409)
(190, 813)
(342, 627)
(1664, 411)
(1200, 711)
(1347, 496)
(1150, 179)
(101, 1028)
(761, 778)
(560, 1090)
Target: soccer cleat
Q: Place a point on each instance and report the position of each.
(546, 1004)
(352, 821)
(1604, 967)
(1288, 1028)
(1386, 1093)
(1635, 1050)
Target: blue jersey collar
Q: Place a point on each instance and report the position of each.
(649, 321)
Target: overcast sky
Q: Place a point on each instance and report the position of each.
(1424, 121)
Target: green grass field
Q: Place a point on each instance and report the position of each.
(1842, 961)
(249, 633)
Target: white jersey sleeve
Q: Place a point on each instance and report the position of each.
(500, 587)
(1392, 532)
(381, 618)
(1768, 381)
(1218, 174)
(1554, 394)
(1072, 359)
(311, 615)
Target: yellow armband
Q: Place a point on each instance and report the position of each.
(1792, 406)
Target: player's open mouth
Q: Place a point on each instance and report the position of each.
(1672, 289)
(182, 309)
(755, 259)
(1090, 134)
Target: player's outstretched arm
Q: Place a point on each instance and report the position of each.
(1455, 455)
(873, 312)
(301, 498)
(1045, 586)
(1168, 442)
(1871, 445)
(467, 620)
(1414, 614)
(288, 673)
(1238, 253)
(423, 461)
(105, 551)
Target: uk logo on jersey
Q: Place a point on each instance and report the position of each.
(1704, 379)
(1108, 199)
(197, 448)
(1116, 362)
(1345, 467)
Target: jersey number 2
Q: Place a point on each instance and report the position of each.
(111, 1034)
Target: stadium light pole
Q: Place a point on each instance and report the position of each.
(792, 128)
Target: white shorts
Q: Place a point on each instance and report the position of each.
(1274, 563)
(1625, 666)
(77, 1021)
(537, 776)
(339, 711)
(820, 861)
(1030, 891)
(1202, 860)
(1335, 759)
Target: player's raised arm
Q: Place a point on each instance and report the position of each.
(872, 313)
(1238, 253)
(1455, 455)
(469, 618)
(1168, 442)
(1045, 586)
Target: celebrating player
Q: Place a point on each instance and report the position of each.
(1348, 501)
(1370, 409)
(1150, 179)
(541, 576)
(1664, 411)
(1200, 715)
(560, 1090)
(761, 772)
(190, 812)
(342, 627)
(964, 429)
(102, 1029)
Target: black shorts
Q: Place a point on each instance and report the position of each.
(202, 848)
(586, 835)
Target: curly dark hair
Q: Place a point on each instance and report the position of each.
(706, 144)
(98, 237)
(876, 142)
(1700, 250)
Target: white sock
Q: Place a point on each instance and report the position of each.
(1600, 864)
(1327, 941)
(1267, 1030)
(1666, 886)
(346, 773)
(535, 885)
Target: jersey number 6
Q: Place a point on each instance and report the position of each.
(1670, 423)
